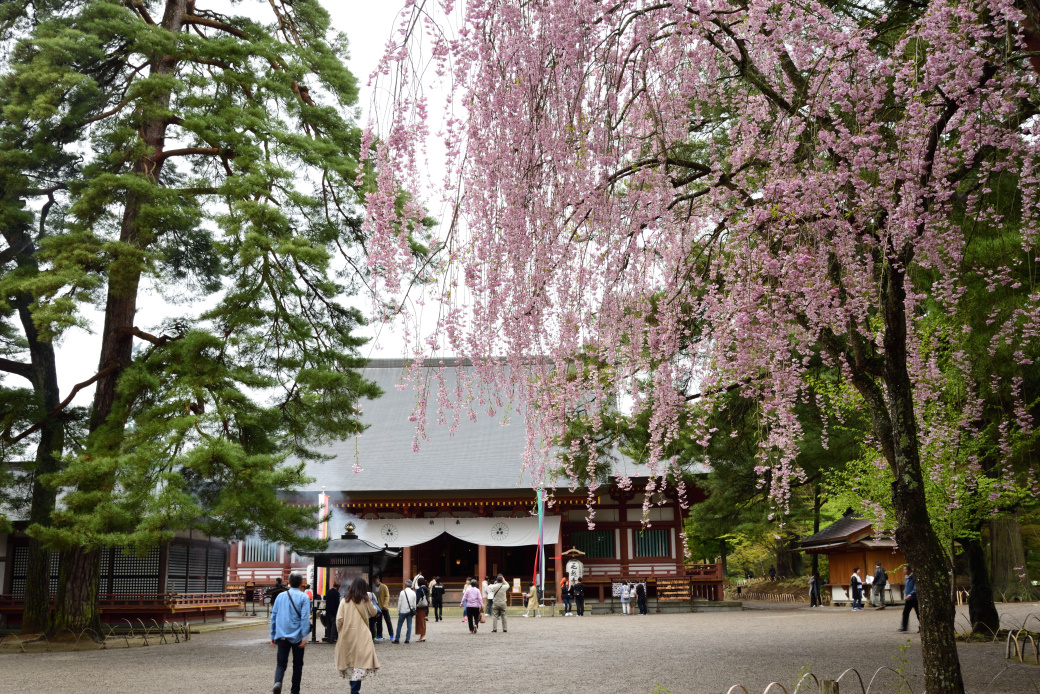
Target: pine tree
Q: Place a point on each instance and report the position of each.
(223, 160)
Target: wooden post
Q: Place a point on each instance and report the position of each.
(828, 687)
(406, 564)
(558, 565)
(481, 563)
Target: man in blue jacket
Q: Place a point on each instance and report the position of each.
(910, 595)
(290, 617)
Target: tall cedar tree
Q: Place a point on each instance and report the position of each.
(222, 157)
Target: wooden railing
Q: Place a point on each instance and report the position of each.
(705, 572)
(145, 602)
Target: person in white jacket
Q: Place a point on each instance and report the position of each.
(405, 612)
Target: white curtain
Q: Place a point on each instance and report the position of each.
(491, 532)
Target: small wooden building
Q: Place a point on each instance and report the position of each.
(185, 579)
(851, 542)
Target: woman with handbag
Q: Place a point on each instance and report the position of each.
(355, 656)
(473, 603)
(422, 607)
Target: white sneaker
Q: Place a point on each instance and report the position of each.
(525, 614)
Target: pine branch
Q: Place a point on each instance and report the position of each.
(158, 341)
(17, 368)
(187, 151)
(214, 24)
(62, 405)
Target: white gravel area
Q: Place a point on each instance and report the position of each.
(659, 653)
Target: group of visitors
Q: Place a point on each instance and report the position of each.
(354, 657)
(878, 584)
(629, 591)
(573, 593)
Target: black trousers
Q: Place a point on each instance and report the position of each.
(579, 600)
(282, 663)
(379, 619)
(438, 611)
(473, 617)
(911, 604)
(814, 597)
(642, 604)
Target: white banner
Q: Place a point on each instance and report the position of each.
(491, 532)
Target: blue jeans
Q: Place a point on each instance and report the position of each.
(355, 687)
(400, 619)
(566, 604)
(282, 663)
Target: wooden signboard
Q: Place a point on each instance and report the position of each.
(673, 588)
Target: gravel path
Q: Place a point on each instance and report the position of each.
(680, 653)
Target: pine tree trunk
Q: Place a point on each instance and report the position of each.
(982, 612)
(36, 615)
(1008, 558)
(77, 606)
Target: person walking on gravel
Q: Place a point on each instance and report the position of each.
(355, 655)
(437, 598)
(472, 602)
(877, 597)
(383, 601)
(290, 615)
(814, 590)
(499, 592)
(910, 596)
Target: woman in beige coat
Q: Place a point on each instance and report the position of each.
(355, 655)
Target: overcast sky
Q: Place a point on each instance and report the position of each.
(368, 25)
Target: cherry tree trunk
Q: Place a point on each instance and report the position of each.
(914, 531)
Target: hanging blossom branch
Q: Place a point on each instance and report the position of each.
(761, 167)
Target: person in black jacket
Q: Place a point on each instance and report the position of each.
(567, 593)
(641, 597)
(331, 608)
(579, 596)
(437, 599)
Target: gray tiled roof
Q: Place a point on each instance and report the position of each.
(842, 529)
(486, 454)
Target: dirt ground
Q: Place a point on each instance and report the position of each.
(655, 654)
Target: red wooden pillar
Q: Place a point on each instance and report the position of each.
(481, 562)
(286, 563)
(232, 562)
(406, 563)
(558, 565)
(625, 551)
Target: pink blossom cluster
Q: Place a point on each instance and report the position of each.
(652, 200)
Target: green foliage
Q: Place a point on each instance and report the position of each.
(219, 163)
